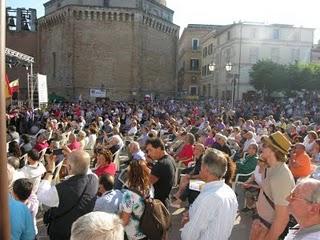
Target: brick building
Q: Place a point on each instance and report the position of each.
(125, 48)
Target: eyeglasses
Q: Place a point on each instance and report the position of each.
(293, 196)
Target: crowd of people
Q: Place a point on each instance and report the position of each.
(91, 167)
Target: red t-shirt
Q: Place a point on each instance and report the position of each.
(186, 152)
(41, 145)
(110, 169)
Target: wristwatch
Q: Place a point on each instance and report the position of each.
(49, 172)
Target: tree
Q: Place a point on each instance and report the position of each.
(269, 76)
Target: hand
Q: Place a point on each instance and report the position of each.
(51, 164)
(245, 185)
(185, 218)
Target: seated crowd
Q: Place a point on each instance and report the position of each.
(90, 168)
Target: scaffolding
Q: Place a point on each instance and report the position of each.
(16, 57)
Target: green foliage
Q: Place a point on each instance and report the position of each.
(268, 76)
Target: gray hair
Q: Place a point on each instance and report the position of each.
(314, 185)
(79, 161)
(97, 226)
(216, 162)
(14, 162)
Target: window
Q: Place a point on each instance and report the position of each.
(54, 65)
(253, 33)
(204, 71)
(195, 44)
(275, 54)
(254, 54)
(228, 55)
(194, 64)
(210, 49)
(276, 34)
(295, 55)
(193, 91)
(205, 52)
(208, 71)
(296, 36)
(229, 35)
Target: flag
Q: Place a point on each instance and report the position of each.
(14, 85)
(8, 92)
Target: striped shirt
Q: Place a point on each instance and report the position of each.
(213, 213)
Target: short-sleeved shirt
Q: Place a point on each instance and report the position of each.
(164, 169)
(109, 169)
(109, 202)
(304, 168)
(277, 186)
(134, 204)
(187, 153)
(21, 221)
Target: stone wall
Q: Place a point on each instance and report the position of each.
(123, 51)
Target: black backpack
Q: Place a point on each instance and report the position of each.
(155, 220)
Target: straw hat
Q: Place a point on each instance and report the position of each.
(278, 141)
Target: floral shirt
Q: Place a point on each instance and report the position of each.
(134, 204)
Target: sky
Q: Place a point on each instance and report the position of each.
(295, 12)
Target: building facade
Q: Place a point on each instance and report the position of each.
(21, 36)
(241, 45)
(126, 48)
(189, 59)
(315, 53)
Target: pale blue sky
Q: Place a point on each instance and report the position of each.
(296, 12)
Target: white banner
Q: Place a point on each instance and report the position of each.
(95, 92)
(42, 88)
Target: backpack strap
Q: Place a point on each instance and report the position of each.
(137, 192)
(265, 195)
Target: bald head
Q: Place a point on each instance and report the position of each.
(79, 161)
(311, 189)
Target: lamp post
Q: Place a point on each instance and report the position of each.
(212, 67)
(233, 82)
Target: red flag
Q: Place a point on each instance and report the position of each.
(8, 92)
(14, 86)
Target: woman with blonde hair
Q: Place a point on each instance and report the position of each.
(132, 205)
(272, 206)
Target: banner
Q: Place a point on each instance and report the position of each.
(14, 85)
(96, 92)
(42, 89)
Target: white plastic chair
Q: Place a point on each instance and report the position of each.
(237, 178)
(41, 154)
(57, 169)
(116, 157)
(24, 158)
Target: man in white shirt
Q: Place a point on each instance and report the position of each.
(304, 205)
(212, 214)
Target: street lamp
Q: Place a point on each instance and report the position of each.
(233, 82)
(212, 66)
(229, 67)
